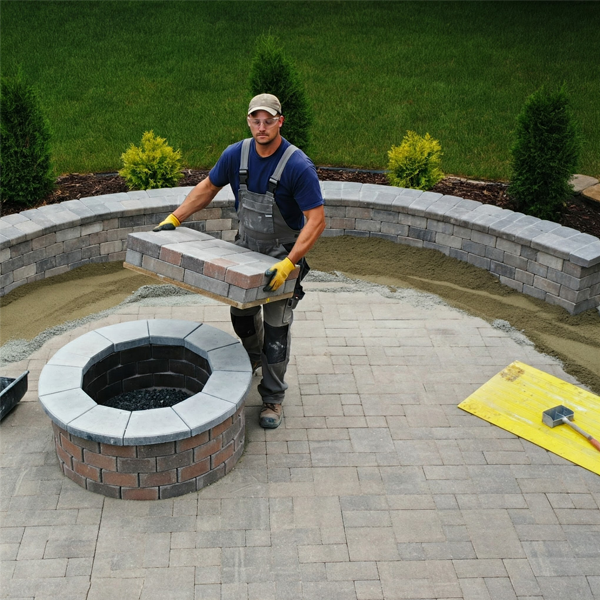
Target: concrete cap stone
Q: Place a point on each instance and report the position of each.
(130, 334)
(58, 378)
(80, 209)
(207, 338)
(231, 386)
(422, 203)
(230, 358)
(30, 228)
(14, 219)
(201, 412)
(587, 256)
(37, 217)
(138, 194)
(155, 426)
(443, 205)
(175, 191)
(64, 407)
(411, 193)
(89, 344)
(101, 424)
(66, 359)
(170, 332)
(557, 245)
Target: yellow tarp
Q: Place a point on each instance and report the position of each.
(515, 399)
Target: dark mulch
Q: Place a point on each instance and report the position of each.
(578, 214)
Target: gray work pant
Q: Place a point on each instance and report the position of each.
(265, 332)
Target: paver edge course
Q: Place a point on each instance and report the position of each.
(37, 243)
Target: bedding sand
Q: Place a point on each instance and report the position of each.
(575, 340)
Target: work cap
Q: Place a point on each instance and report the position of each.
(266, 102)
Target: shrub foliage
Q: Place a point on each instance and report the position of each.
(415, 163)
(272, 72)
(153, 165)
(26, 173)
(545, 154)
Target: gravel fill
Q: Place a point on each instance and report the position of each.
(147, 399)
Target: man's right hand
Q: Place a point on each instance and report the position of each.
(169, 224)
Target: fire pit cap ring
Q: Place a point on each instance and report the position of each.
(63, 399)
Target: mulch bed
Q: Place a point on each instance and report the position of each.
(578, 214)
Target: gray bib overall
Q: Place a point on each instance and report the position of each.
(263, 229)
(262, 226)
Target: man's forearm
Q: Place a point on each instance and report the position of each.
(312, 230)
(200, 197)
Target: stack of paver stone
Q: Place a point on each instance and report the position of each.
(197, 261)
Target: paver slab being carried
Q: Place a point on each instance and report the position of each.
(198, 262)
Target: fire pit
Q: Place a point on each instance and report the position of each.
(159, 452)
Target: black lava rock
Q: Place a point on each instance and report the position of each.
(147, 399)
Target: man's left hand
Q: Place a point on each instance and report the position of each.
(277, 274)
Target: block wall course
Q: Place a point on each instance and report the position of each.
(94, 229)
(440, 226)
(512, 283)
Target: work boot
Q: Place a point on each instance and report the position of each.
(271, 415)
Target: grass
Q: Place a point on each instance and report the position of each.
(461, 71)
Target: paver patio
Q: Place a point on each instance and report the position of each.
(376, 486)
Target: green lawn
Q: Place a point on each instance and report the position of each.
(460, 71)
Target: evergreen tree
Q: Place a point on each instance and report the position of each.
(26, 173)
(545, 154)
(273, 73)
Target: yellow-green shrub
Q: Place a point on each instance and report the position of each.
(153, 165)
(415, 163)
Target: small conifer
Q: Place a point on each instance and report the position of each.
(26, 173)
(272, 72)
(545, 154)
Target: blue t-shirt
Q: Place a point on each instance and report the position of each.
(297, 191)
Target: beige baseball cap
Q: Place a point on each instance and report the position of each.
(266, 102)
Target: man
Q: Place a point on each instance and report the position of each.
(280, 209)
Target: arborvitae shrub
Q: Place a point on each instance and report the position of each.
(26, 173)
(415, 163)
(273, 73)
(545, 154)
(153, 165)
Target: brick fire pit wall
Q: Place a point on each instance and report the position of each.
(148, 454)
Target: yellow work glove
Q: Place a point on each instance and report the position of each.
(170, 223)
(277, 274)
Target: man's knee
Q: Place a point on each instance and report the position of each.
(244, 321)
(276, 343)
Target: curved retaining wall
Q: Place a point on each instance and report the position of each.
(538, 258)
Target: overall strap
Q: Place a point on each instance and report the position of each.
(274, 179)
(244, 161)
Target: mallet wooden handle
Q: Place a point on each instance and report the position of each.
(586, 435)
